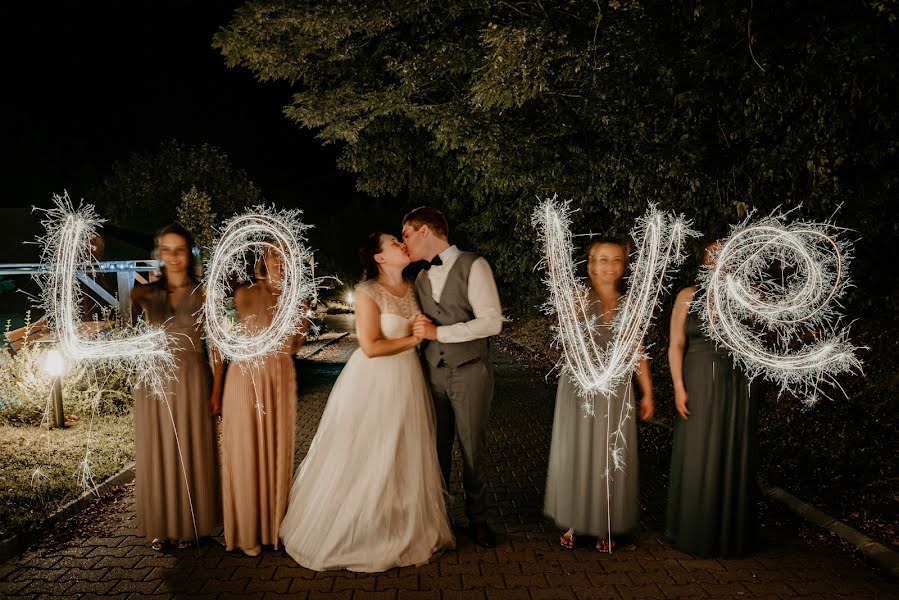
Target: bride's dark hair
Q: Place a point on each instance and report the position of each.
(367, 253)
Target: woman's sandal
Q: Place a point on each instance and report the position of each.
(568, 539)
(604, 546)
(157, 545)
(185, 544)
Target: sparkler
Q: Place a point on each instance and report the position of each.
(659, 242)
(772, 287)
(256, 231)
(66, 249)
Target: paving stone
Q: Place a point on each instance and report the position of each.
(553, 593)
(640, 591)
(261, 586)
(8, 588)
(596, 593)
(464, 595)
(136, 587)
(379, 595)
(406, 582)
(416, 595)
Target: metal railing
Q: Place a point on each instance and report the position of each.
(127, 272)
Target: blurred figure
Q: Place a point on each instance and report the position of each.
(171, 483)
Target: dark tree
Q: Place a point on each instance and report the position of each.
(480, 106)
(144, 192)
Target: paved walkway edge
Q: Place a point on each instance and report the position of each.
(325, 345)
(18, 543)
(881, 556)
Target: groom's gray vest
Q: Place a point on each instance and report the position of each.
(454, 307)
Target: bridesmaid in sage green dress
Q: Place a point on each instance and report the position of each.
(712, 493)
(580, 498)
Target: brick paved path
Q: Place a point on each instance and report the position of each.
(100, 554)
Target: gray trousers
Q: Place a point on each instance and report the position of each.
(462, 398)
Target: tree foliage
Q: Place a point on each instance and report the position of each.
(196, 215)
(480, 106)
(145, 191)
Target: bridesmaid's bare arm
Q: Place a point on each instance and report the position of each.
(368, 329)
(218, 372)
(647, 401)
(218, 363)
(218, 381)
(676, 347)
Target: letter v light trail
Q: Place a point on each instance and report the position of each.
(659, 240)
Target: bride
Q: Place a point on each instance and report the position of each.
(369, 496)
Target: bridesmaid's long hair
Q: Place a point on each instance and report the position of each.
(708, 240)
(187, 236)
(625, 247)
(367, 253)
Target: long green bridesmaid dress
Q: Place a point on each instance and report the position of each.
(712, 495)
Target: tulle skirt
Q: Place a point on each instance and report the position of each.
(369, 496)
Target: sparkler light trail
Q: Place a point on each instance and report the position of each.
(66, 249)
(659, 240)
(771, 288)
(258, 230)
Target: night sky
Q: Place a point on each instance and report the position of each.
(89, 83)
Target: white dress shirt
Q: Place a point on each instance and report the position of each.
(482, 294)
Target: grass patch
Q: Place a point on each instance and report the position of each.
(26, 501)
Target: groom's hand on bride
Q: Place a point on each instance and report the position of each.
(423, 328)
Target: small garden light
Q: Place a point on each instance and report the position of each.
(54, 365)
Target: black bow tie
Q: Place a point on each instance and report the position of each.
(434, 262)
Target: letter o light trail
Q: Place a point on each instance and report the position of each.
(257, 231)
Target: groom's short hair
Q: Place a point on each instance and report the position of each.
(430, 216)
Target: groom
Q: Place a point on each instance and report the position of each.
(461, 305)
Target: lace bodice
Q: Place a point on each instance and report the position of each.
(396, 313)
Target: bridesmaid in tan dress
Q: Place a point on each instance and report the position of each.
(258, 408)
(176, 492)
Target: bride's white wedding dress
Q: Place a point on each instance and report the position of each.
(369, 496)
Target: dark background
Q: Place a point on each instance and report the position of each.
(88, 84)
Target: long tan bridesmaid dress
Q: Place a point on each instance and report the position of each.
(259, 405)
(175, 490)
